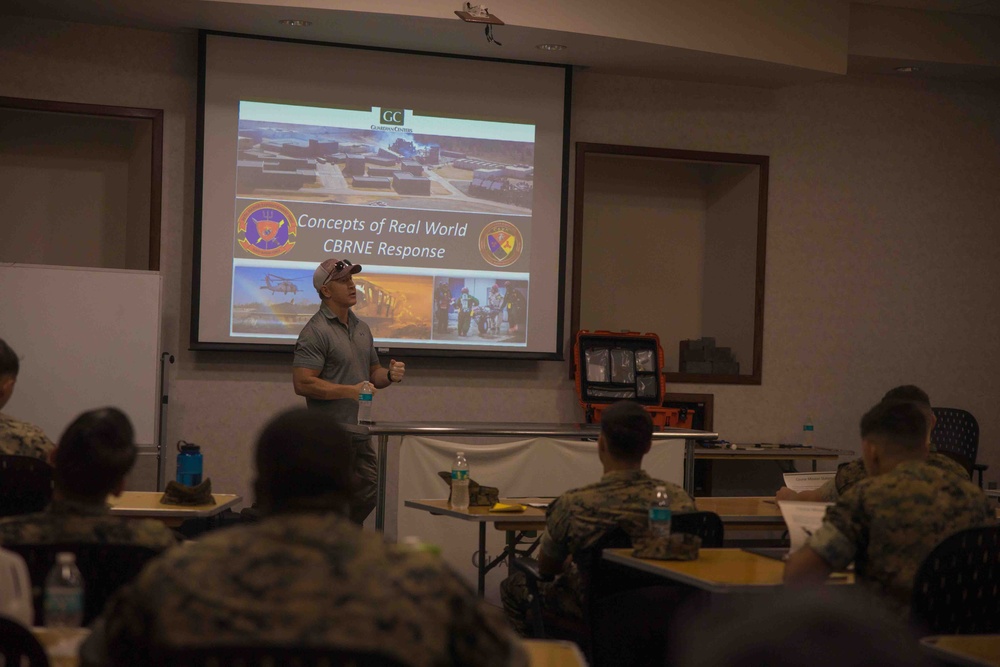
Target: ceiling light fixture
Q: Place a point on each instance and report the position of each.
(907, 69)
(295, 23)
(552, 47)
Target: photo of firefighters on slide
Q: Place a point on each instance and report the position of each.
(493, 309)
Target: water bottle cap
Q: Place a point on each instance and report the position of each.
(187, 447)
(66, 558)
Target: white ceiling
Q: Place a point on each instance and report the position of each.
(450, 35)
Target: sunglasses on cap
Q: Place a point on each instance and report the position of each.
(337, 268)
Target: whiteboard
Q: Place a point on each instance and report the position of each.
(87, 338)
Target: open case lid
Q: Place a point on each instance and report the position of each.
(612, 366)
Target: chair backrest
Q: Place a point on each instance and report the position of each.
(587, 560)
(105, 569)
(18, 647)
(706, 525)
(957, 435)
(25, 484)
(268, 656)
(957, 588)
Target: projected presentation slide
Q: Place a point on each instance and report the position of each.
(443, 177)
(438, 211)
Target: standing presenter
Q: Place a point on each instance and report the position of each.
(334, 356)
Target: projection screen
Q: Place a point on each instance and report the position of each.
(444, 177)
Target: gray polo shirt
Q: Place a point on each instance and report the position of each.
(342, 355)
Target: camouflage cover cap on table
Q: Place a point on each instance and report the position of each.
(479, 496)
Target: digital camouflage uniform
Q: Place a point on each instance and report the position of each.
(67, 521)
(23, 439)
(575, 521)
(305, 579)
(853, 472)
(888, 524)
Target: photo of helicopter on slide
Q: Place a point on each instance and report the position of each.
(268, 300)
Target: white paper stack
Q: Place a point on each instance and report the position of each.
(807, 481)
(803, 519)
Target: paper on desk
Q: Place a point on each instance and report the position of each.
(803, 519)
(807, 481)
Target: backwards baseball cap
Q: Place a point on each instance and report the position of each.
(333, 269)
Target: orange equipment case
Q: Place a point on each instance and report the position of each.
(610, 366)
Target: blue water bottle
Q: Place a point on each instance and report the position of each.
(188, 463)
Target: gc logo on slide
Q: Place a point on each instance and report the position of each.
(500, 243)
(391, 116)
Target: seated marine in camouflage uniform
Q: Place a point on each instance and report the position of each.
(849, 474)
(94, 455)
(577, 519)
(17, 437)
(889, 522)
(304, 575)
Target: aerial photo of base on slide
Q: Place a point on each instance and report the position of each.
(314, 163)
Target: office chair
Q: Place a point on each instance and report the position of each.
(269, 656)
(25, 485)
(956, 434)
(625, 616)
(18, 647)
(706, 525)
(957, 588)
(548, 625)
(105, 569)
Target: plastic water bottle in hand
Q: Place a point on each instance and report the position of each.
(64, 593)
(365, 403)
(660, 514)
(460, 482)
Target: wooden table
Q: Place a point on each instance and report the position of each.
(744, 512)
(972, 650)
(553, 653)
(147, 505)
(715, 570)
(62, 645)
(532, 518)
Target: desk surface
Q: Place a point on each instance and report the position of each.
(147, 504)
(972, 650)
(715, 570)
(483, 514)
(744, 509)
(515, 429)
(553, 653)
(61, 645)
(768, 453)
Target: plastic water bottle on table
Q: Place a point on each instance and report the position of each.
(460, 482)
(660, 514)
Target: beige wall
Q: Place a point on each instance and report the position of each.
(882, 245)
(731, 260)
(643, 238)
(71, 190)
